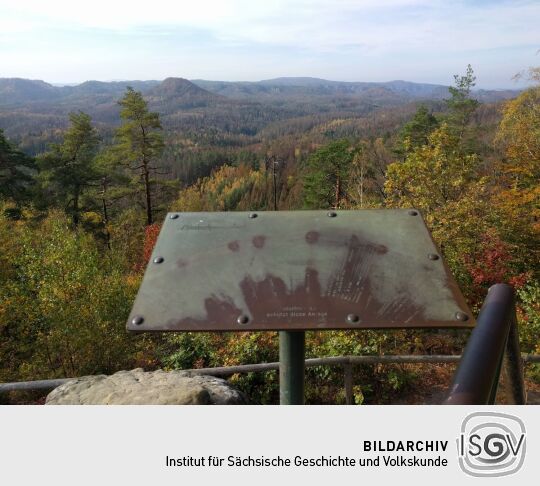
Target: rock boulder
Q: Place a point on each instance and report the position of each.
(137, 387)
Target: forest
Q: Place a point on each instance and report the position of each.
(87, 175)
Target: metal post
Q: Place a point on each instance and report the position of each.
(348, 375)
(477, 377)
(495, 387)
(514, 365)
(291, 367)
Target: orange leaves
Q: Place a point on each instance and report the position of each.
(493, 263)
(151, 234)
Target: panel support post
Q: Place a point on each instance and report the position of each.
(292, 351)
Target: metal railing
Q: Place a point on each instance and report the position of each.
(346, 362)
(493, 347)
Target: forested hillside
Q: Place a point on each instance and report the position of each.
(221, 114)
(87, 173)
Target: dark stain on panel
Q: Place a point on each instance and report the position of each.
(234, 245)
(312, 237)
(305, 304)
(258, 241)
(181, 263)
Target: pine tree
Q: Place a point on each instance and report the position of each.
(111, 187)
(461, 106)
(327, 176)
(67, 169)
(140, 145)
(415, 133)
(16, 170)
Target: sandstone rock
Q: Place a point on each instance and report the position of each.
(137, 387)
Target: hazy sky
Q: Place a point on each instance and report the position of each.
(348, 40)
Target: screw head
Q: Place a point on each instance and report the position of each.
(433, 256)
(353, 318)
(252, 215)
(137, 320)
(173, 216)
(159, 259)
(331, 214)
(412, 212)
(461, 316)
(243, 319)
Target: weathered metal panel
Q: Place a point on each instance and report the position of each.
(286, 270)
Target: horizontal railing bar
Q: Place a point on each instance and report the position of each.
(331, 361)
(262, 367)
(33, 385)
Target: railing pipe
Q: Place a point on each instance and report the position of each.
(263, 367)
(477, 377)
(37, 385)
(514, 365)
(344, 361)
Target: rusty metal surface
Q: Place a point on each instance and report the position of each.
(239, 271)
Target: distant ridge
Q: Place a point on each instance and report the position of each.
(170, 87)
(224, 113)
(17, 90)
(110, 87)
(186, 93)
(294, 86)
(181, 93)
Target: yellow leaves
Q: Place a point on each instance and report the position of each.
(134, 280)
(519, 134)
(64, 301)
(91, 217)
(432, 175)
(189, 200)
(333, 124)
(224, 190)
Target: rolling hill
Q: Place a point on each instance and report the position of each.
(33, 113)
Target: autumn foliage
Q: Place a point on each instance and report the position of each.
(151, 234)
(68, 283)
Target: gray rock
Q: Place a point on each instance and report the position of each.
(137, 387)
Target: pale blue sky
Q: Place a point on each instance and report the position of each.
(348, 40)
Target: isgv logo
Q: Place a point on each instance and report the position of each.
(491, 444)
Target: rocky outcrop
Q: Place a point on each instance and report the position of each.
(137, 387)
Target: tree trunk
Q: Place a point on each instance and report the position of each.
(75, 216)
(338, 192)
(105, 215)
(146, 177)
(275, 184)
